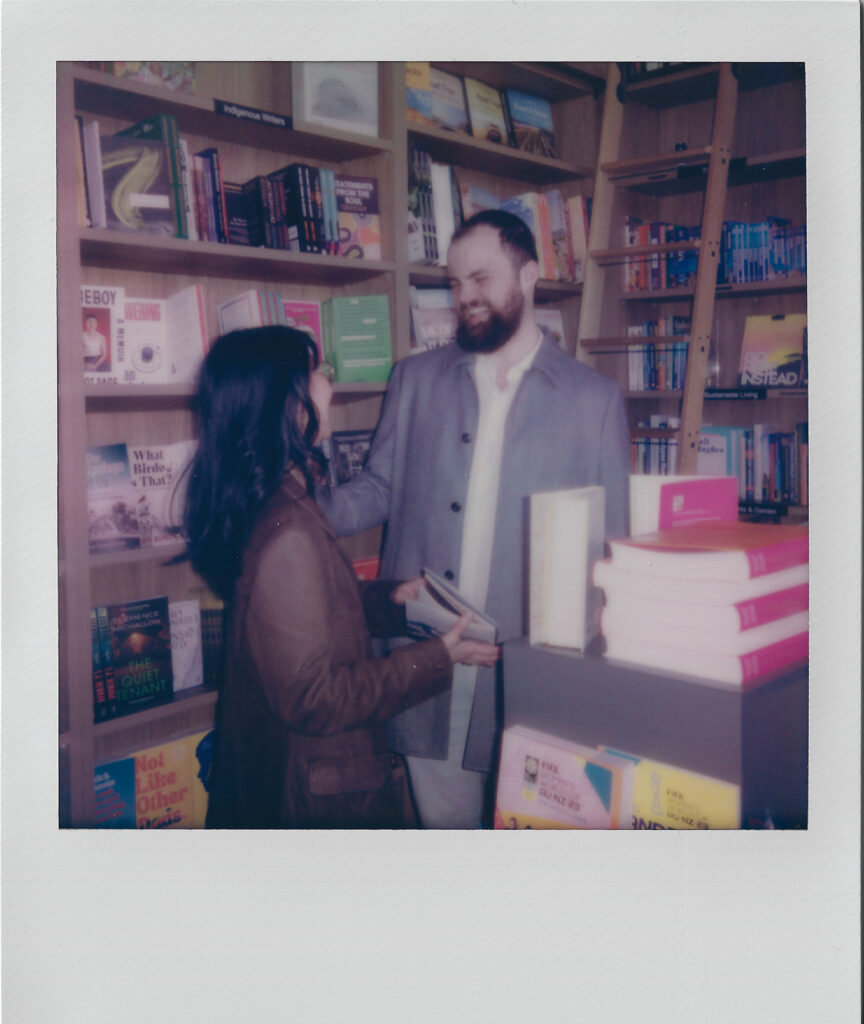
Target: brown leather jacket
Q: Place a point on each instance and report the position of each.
(300, 721)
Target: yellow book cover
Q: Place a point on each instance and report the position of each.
(668, 797)
(171, 781)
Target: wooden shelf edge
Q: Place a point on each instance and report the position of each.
(466, 151)
(162, 552)
(106, 95)
(629, 252)
(139, 251)
(185, 700)
(661, 161)
(601, 344)
(798, 284)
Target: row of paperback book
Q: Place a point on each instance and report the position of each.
(439, 203)
(145, 178)
(546, 782)
(143, 652)
(767, 250)
(510, 117)
(770, 465)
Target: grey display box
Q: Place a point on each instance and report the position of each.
(756, 738)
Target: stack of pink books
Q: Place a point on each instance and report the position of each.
(722, 601)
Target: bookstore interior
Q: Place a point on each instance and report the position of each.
(660, 680)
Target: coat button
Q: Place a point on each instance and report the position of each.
(467, 438)
(449, 575)
(455, 507)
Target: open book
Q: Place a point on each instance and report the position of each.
(438, 608)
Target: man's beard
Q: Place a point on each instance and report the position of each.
(494, 332)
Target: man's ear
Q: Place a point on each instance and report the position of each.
(529, 274)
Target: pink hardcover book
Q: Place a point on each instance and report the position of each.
(719, 551)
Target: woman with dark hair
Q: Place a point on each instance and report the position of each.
(299, 737)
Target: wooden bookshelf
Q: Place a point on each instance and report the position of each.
(155, 267)
(694, 145)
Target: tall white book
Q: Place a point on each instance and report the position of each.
(566, 539)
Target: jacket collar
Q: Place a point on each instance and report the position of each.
(546, 360)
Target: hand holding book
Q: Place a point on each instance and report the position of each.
(450, 623)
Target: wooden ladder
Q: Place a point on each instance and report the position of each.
(601, 255)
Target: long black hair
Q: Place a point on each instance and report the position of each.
(256, 419)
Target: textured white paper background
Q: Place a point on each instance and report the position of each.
(672, 927)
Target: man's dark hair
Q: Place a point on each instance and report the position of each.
(516, 237)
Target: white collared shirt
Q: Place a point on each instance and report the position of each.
(481, 500)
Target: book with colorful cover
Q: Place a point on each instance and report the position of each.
(531, 122)
(163, 128)
(159, 478)
(664, 502)
(667, 797)
(114, 791)
(358, 217)
(347, 452)
(551, 319)
(357, 337)
(562, 246)
(104, 333)
(487, 112)
(178, 75)
(112, 524)
(475, 199)
(140, 637)
(305, 315)
(367, 568)
(579, 215)
(257, 307)
(164, 786)
(187, 663)
(772, 351)
(434, 97)
(714, 551)
(171, 782)
(139, 192)
(550, 783)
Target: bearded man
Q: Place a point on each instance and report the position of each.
(467, 433)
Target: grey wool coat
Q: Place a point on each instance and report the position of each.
(567, 427)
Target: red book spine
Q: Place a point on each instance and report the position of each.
(771, 607)
(779, 556)
(774, 657)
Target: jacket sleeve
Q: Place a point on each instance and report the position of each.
(384, 618)
(364, 502)
(615, 466)
(290, 625)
